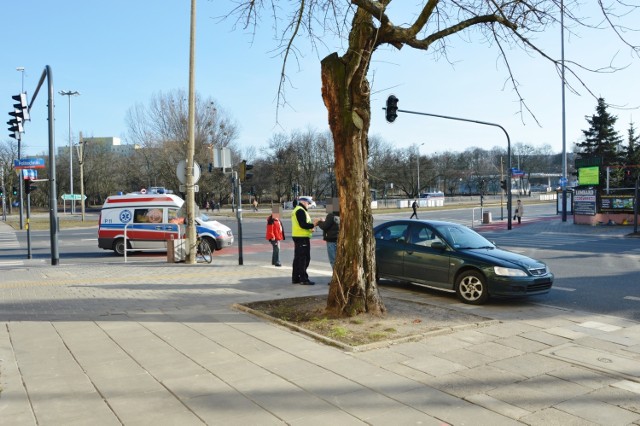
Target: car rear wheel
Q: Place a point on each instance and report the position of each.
(471, 288)
(119, 246)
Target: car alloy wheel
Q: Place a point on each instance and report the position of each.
(471, 288)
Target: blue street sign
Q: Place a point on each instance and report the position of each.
(563, 182)
(29, 163)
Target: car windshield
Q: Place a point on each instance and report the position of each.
(204, 218)
(461, 237)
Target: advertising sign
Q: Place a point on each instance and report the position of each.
(616, 203)
(589, 175)
(584, 202)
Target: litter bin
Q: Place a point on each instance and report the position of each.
(486, 217)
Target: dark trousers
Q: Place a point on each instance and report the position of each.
(415, 213)
(275, 255)
(301, 259)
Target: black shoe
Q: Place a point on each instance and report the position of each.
(307, 283)
(295, 282)
(278, 264)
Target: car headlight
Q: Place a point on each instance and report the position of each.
(509, 272)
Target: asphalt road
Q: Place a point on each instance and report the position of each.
(595, 273)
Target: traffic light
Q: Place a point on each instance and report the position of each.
(1, 193)
(392, 108)
(243, 169)
(21, 107)
(14, 191)
(503, 185)
(27, 186)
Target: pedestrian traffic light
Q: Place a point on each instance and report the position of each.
(1, 193)
(27, 186)
(503, 184)
(14, 191)
(248, 174)
(392, 108)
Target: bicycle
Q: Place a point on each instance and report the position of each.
(203, 250)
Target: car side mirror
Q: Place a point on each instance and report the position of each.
(438, 245)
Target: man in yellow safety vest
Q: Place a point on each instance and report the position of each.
(302, 229)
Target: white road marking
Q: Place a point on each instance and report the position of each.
(563, 288)
(632, 298)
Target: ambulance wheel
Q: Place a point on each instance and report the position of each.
(118, 246)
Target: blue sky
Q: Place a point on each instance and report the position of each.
(119, 53)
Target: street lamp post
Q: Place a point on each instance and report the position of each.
(70, 93)
(419, 168)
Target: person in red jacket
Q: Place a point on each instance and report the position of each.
(275, 234)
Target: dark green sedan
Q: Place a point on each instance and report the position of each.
(453, 257)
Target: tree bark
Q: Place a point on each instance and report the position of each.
(346, 94)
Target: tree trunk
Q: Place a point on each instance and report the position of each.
(346, 94)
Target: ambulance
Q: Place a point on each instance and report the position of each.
(149, 221)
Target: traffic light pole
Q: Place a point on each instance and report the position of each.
(53, 206)
(239, 217)
(486, 123)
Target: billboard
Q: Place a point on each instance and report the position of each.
(589, 175)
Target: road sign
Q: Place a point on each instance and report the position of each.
(181, 172)
(29, 163)
(73, 197)
(563, 181)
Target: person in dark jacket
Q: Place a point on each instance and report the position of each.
(414, 206)
(301, 232)
(330, 229)
(275, 234)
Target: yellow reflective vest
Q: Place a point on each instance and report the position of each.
(296, 229)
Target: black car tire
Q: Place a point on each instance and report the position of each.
(471, 288)
(118, 246)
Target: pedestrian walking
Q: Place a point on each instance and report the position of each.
(414, 206)
(301, 232)
(519, 212)
(255, 204)
(206, 206)
(275, 234)
(330, 229)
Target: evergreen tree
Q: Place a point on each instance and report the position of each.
(632, 156)
(601, 139)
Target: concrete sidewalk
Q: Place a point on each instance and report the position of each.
(156, 343)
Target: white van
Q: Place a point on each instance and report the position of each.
(150, 220)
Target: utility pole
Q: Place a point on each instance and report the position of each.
(190, 189)
(70, 93)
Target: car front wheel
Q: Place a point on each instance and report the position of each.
(471, 288)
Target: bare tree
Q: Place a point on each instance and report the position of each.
(159, 131)
(346, 93)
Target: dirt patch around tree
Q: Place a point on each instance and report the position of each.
(405, 320)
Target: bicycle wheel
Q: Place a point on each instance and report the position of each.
(204, 250)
